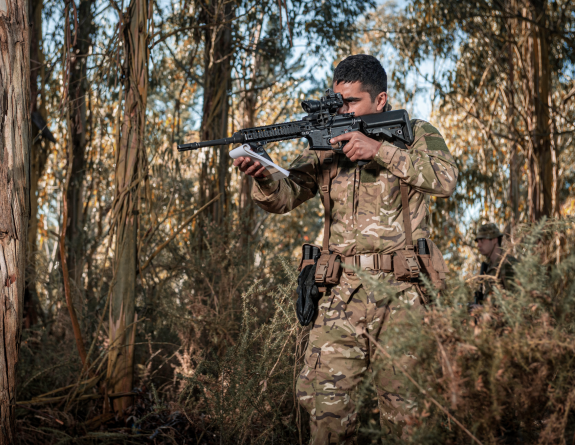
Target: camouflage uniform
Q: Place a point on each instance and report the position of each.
(366, 219)
(506, 272)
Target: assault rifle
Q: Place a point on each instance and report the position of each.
(320, 125)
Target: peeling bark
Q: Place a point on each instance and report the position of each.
(130, 171)
(14, 196)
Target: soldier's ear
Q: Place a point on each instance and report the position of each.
(381, 100)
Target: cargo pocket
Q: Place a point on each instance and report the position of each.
(306, 382)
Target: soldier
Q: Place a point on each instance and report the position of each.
(489, 244)
(366, 227)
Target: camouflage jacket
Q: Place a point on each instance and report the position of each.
(366, 215)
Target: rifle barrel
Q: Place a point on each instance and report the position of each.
(215, 142)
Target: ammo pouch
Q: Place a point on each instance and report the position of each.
(309, 255)
(317, 270)
(405, 265)
(432, 262)
(328, 270)
(328, 265)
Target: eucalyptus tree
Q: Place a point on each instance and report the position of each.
(130, 175)
(512, 84)
(80, 39)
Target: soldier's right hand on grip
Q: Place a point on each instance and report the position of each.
(308, 295)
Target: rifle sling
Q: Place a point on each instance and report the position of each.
(405, 210)
(327, 157)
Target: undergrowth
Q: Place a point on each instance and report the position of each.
(217, 359)
(505, 371)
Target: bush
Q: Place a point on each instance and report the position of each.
(506, 371)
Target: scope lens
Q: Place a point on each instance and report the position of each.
(311, 106)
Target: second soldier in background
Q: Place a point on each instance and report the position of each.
(489, 240)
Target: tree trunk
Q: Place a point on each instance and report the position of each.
(14, 196)
(217, 77)
(514, 172)
(540, 167)
(246, 204)
(130, 173)
(38, 157)
(78, 89)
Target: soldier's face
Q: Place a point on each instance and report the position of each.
(357, 101)
(486, 246)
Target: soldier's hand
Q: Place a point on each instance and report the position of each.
(250, 168)
(359, 146)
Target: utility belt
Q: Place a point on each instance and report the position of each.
(406, 264)
(374, 262)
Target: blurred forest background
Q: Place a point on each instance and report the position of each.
(159, 299)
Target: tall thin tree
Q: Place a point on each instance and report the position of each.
(81, 41)
(130, 173)
(14, 199)
(540, 168)
(218, 52)
(38, 152)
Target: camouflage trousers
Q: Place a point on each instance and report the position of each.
(338, 359)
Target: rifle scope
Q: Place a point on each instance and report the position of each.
(331, 102)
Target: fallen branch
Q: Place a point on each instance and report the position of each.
(423, 391)
(42, 401)
(176, 233)
(46, 400)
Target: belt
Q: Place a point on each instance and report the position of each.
(372, 262)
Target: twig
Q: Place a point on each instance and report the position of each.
(444, 354)
(423, 391)
(43, 372)
(281, 352)
(41, 413)
(58, 399)
(176, 233)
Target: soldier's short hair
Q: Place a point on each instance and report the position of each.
(365, 69)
